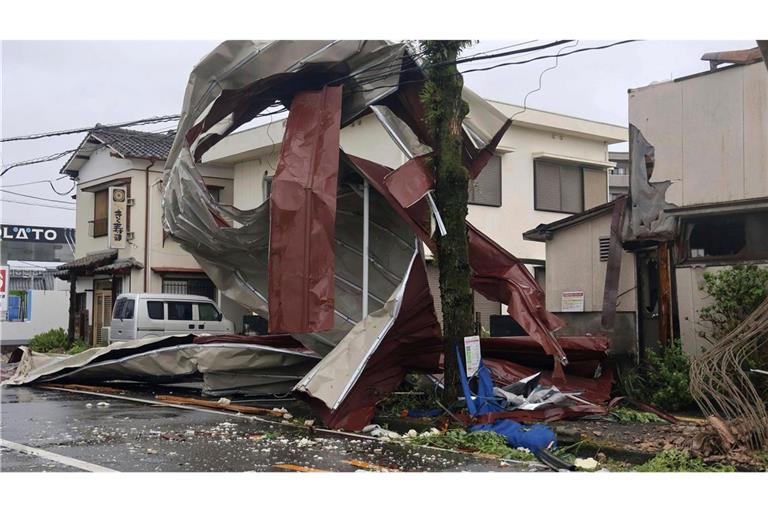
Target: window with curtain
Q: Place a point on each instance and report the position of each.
(568, 188)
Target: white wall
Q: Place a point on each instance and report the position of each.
(710, 133)
(573, 264)
(367, 139)
(50, 310)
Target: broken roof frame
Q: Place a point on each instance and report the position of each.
(238, 81)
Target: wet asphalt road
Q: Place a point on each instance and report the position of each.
(130, 436)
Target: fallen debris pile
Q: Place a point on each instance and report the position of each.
(338, 232)
(721, 385)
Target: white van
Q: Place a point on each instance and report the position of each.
(143, 315)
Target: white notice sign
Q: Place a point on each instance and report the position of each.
(572, 302)
(118, 217)
(472, 354)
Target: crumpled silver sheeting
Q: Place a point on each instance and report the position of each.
(235, 258)
(647, 218)
(235, 64)
(222, 367)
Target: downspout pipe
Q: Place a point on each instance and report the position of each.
(146, 225)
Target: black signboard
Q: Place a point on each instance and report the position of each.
(36, 234)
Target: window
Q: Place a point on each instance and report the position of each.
(128, 309)
(568, 188)
(215, 193)
(486, 188)
(100, 213)
(190, 286)
(155, 310)
(726, 237)
(118, 310)
(179, 311)
(206, 311)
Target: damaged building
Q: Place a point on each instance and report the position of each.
(698, 202)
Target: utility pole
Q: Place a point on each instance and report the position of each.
(444, 111)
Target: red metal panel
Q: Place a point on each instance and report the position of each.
(497, 276)
(303, 216)
(414, 342)
(483, 157)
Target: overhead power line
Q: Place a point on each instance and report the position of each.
(37, 204)
(555, 56)
(49, 182)
(42, 159)
(36, 197)
(149, 120)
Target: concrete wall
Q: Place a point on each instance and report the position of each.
(623, 337)
(573, 264)
(50, 310)
(710, 133)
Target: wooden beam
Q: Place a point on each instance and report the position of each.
(244, 409)
(665, 294)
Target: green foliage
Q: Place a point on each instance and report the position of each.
(55, 340)
(628, 415)
(483, 441)
(396, 403)
(736, 292)
(661, 380)
(77, 347)
(668, 461)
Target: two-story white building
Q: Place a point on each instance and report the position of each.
(547, 166)
(150, 261)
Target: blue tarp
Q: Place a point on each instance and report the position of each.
(534, 438)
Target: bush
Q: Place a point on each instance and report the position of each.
(737, 292)
(55, 340)
(661, 380)
(680, 462)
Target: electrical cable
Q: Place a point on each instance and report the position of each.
(40, 160)
(541, 75)
(37, 204)
(49, 182)
(150, 120)
(591, 48)
(35, 197)
(551, 56)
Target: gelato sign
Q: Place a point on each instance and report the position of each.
(37, 234)
(118, 217)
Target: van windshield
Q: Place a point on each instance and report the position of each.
(118, 308)
(127, 313)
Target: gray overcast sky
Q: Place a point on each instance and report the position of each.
(49, 85)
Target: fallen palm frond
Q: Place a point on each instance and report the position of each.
(721, 385)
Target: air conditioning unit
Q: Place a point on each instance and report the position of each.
(104, 336)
